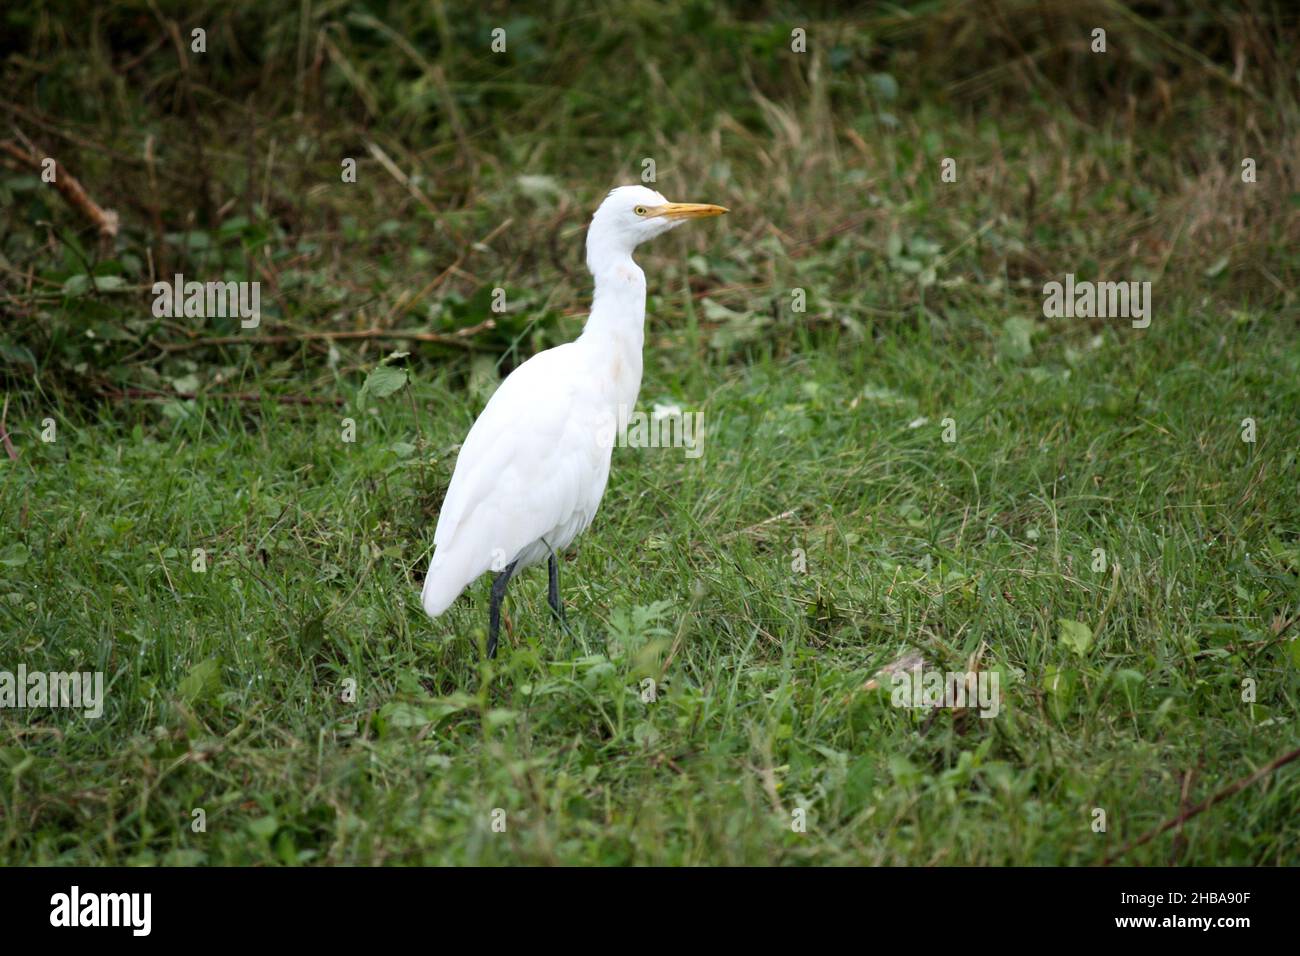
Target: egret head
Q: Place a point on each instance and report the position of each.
(631, 215)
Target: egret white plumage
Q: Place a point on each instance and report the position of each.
(532, 471)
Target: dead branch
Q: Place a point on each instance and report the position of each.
(459, 338)
(1204, 805)
(104, 220)
(119, 394)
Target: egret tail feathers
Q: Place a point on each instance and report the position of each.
(445, 582)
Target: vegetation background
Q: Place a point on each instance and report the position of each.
(1149, 697)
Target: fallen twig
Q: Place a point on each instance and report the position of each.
(149, 393)
(396, 172)
(400, 307)
(1204, 805)
(458, 338)
(754, 527)
(4, 432)
(105, 220)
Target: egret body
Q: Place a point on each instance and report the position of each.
(531, 472)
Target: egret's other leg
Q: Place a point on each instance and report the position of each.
(494, 608)
(553, 592)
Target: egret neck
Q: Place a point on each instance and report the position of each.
(615, 329)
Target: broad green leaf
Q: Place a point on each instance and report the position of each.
(1075, 635)
(202, 682)
(383, 381)
(1015, 342)
(264, 827)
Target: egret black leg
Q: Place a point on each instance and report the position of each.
(553, 592)
(494, 609)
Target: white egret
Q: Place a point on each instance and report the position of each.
(533, 468)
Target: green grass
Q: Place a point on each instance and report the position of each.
(224, 686)
(828, 529)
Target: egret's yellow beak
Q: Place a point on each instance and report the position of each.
(685, 210)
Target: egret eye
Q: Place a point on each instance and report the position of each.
(639, 210)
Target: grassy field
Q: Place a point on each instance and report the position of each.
(919, 463)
